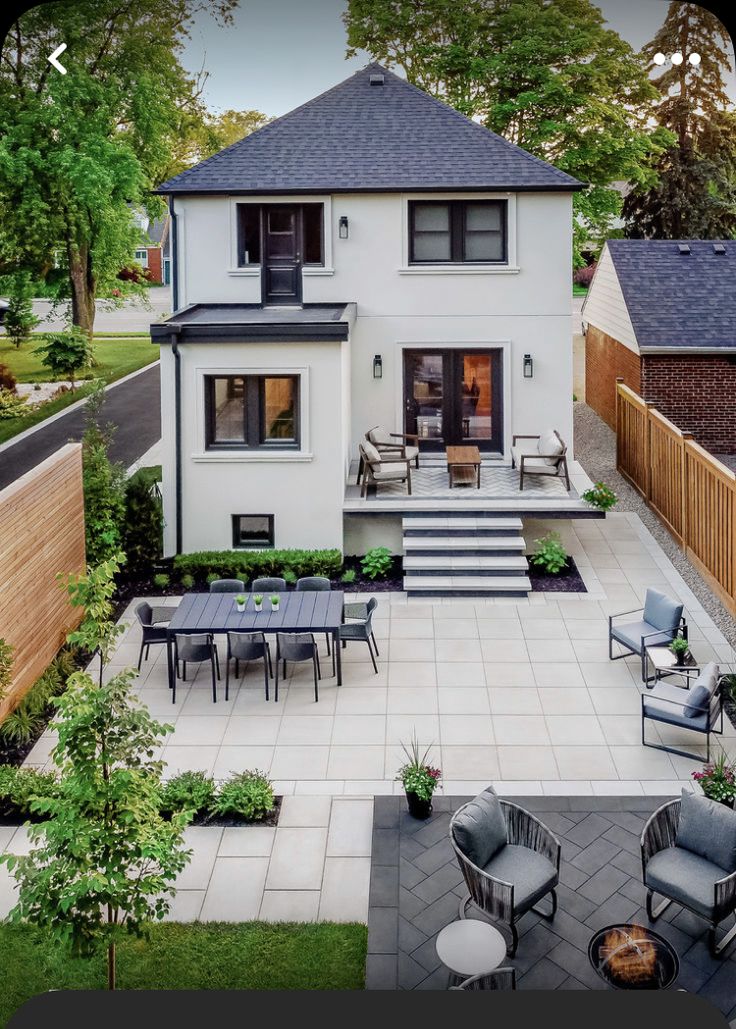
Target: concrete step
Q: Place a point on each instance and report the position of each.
(477, 524)
(441, 544)
(487, 564)
(467, 585)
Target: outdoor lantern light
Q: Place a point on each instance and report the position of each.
(343, 226)
(528, 366)
(378, 367)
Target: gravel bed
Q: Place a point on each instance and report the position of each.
(595, 449)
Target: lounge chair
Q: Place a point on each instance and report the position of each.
(378, 468)
(545, 454)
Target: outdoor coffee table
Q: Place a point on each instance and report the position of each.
(469, 947)
(463, 465)
(664, 663)
(303, 611)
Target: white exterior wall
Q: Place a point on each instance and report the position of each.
(605, 307)
(303, 489)
(522, 308)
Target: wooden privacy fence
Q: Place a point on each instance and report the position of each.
(687, 488)
(41, 534)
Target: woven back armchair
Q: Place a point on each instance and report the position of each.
(688, 878)
(520, 875)
(500, 979)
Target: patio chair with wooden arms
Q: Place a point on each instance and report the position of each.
(387, 443)
(545, 454)
(379, 468)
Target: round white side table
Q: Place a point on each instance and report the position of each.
(469, 947)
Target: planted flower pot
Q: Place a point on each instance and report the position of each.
(240, 603)
(418, 807)
(274, 603)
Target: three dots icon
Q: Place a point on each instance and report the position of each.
(677, 59)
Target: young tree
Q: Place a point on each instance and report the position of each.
(103, 482)
(66, 353)
(105, 859)
(98, 630)
(79, 152)
(546, 74)
(20, 320)
(695, 192)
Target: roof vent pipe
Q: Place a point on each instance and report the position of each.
(376, 80)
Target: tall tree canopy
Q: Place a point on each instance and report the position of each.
(695, 195)
(546, 74)
(79, 151)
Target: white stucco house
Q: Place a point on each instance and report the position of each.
(372, 257)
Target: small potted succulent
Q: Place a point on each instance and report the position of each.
(240, 602)
(420, 780)
(258, 601)
(680, 648)
(718, 781)
(275, 601)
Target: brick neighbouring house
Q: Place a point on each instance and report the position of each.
(661, 314)
(153, 252)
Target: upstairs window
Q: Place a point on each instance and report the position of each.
(249, 234)
(245, 412)
(457, 231)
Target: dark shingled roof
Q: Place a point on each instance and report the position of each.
(359, 137)
(678, 300)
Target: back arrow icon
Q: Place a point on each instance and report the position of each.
(53, 58)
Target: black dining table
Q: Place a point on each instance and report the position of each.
(298, 611)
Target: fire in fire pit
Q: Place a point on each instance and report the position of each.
(629, 957)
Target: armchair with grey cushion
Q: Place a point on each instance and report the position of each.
(509, 860)
(545, 454)
(361, 629)
(660, 620)
(688, 853)
(499, 979)
(698, 707)
(400, 444)
(377, 468)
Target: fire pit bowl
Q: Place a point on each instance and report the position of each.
(630, 957)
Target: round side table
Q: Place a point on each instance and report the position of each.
(470, 947)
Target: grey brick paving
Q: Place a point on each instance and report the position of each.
(416, 887)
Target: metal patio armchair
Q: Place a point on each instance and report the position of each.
(661, 620)
(698, 707)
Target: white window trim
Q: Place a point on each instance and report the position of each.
(508, 267)
(265, 456)
(143, 261)
(504, 345)
(327, 230)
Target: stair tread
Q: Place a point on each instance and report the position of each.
(487, 583)
(464, 543)
(451, 561)
(473, 521)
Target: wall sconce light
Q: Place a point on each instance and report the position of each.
(378, 367)
(528, 366)
(343, 226)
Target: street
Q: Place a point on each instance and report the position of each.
(133, 316)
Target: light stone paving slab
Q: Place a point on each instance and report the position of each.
(235, 889)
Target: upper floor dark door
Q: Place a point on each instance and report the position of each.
(282, 256)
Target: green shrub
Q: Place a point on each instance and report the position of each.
(104, 487)
(601, 496)
(66, 353)
(377, 563)
(288, 576)
(19, 787)
(143, 522)
(550, 554)
(189, 791)
(207, 565)
(20, 320)
(348, 576)
(11, 405)
(26, 721)
(247, 795)
(161, 581)
(187, 581)
(65, 663)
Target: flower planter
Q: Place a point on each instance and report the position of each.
(418, 808)
(258, 607)
(274, 607)
(240, 607)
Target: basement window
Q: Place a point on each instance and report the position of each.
(253, 530)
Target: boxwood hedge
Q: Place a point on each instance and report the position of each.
(252, 564)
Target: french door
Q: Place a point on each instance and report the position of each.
(454, 397)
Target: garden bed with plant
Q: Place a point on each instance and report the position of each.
(552, 569)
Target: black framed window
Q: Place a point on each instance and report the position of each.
(458, 231)
(253, 530)
(251, 232)
(247, 412)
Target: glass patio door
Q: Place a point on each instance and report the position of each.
(424, 392)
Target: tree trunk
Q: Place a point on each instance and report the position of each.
(82, 287)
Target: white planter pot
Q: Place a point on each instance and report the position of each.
(258, 607)
(240, 607)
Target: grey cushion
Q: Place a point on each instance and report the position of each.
(388, 470)
(480, 828)
(660, 611)
(703, 689)
(630, 634)
(708, 829)
(665, 703)
(531, 874)
(379, 435)
(685, 877)
(370, 451)
(550, 447)
(535, 463)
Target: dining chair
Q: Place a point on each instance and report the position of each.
(297, 646)
(153, 622)
(196, 648)
(227, 586)
(315, 584)
(247, 646)
(266, 585)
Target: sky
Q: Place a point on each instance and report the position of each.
(280, 53)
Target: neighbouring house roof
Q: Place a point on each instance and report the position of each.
(158, 231)
(215, 323)
(360, 137)
(680, 294)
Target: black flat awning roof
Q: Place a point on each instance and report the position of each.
(215, 323)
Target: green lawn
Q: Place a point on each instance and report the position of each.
(117, 357)
(197, 956)
(579, 291)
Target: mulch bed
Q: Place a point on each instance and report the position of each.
(10, 815)
(568, 580)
